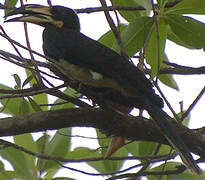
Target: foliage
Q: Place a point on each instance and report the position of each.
(142, 33)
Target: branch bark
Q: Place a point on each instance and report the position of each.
(112, 123)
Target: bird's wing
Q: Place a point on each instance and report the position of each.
(83, 51)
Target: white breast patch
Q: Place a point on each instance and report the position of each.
(96, 76)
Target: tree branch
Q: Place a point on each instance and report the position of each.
(112, 123)
(176, 69)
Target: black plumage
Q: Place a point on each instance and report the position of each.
(82, 51)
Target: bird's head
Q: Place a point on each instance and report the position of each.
(58, 16)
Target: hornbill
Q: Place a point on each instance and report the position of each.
(87, 61)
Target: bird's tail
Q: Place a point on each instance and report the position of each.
(172, 136)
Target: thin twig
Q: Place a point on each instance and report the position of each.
(12, 44)
(121, 8)
(193, 104)
(28, 92)
(152, 158)
(112, 173)
(109, 8)
(49, 3)
(167, 103)
(114, 30)
(22, 46)
(179, 170)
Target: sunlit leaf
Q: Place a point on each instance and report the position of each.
(108, 166)
(188, 7)
(62, 178)
(61, 104)
(17, 80)
(34, 105)
(26, 141)
(189, 30)
(133, 148)
(173, 37)
(135, 35)
(155, 51)
(17, 159)
(161, 3)
(28, 79)
(58, 146)
(128, 15)
(40, 98)
(146, 148)
(164, 167)
(24, 107)
(168, 79)
(108, 38)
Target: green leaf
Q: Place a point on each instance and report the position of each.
(58, 146)
(50, 173)
(135, 35)
(17, 80)
(164, 167)
(8, 106)
(105, 166)
(81, 152)
(146, 148)
(28, 80)
(146, 4)
(142, 148)
(14, 106)
(103, 141)
(32, 82)
(173, 37)
(108, 166)
(154, 57)
(133, 148)
(26, 141)
(186, 176)
(1, 166)
(11, 174)
(40, 98)
(161, 3)
(186, 120)
(128, 15)
(84, 152)
(34, 105)
(18, 161)
(113, 166)
(44, 139)
(189, 30)
(10, 4)
(24, 107)
(3, 176)
(188, 7)
(69, 91)
(62, 178)
(168, 79)
(108, 38)
(11, 106)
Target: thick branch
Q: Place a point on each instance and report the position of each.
(183, 70)
(133, 128)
